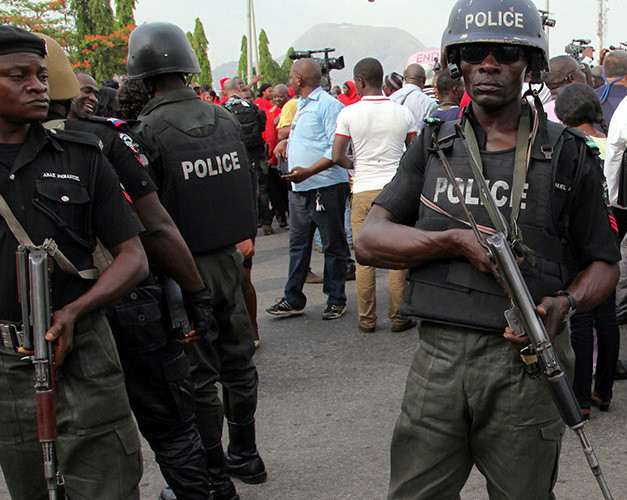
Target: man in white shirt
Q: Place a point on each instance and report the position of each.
(379, 130)
(412, 96)
(616, 146)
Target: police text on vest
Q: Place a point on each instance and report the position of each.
(211, 166)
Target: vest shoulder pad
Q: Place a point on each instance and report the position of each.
(77, 137)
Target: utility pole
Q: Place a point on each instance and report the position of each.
(249, 51)
(252, 59)
(546, 31)
(255, 38)
(602, 23)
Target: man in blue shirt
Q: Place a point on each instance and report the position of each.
(318, 196)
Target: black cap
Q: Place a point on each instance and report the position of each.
(14, 40)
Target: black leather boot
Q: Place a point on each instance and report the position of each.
(242, 458)
(222, 487)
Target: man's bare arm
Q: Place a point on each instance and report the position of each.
(383, 242)
(340, 143)
(129, 267)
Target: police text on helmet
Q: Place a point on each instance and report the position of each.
(507, 18)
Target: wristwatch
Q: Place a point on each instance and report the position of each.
(573, 303)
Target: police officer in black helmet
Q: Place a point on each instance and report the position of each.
(468, 399)
(204, 178)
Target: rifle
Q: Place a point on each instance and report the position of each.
(539, 356)
(33, 268)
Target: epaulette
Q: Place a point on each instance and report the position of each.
(114, 122)
(586, 138)
(77, 137)
(593, 146)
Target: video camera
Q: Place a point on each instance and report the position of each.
(620, 46)
(576, 48)
(547, 22)
(326, 63)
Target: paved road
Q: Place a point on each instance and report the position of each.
(329, 396)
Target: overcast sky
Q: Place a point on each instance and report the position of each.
(285, 20)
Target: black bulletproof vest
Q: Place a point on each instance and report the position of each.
(207, 184)
(454, 291)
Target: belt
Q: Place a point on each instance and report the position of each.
(11, 336)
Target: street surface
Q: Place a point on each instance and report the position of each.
(329, 396)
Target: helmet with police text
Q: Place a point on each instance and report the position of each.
(62, 82)
(513, 22)
(159, 48)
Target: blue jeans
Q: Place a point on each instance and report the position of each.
(303, 221)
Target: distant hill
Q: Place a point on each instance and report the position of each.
(391, 46)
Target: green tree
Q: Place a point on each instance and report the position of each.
(268, 67)
(93, 17)
(124, 12)
(52, 18)
(199, 43)
(102, 42)
(242, 68)
(287, 65)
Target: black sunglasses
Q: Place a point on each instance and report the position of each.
(475, 53)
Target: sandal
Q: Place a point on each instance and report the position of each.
(585, 412)
(621, 370)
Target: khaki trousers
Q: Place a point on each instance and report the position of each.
(365, 275)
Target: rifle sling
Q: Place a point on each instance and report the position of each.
(53, 250)
(524, 140)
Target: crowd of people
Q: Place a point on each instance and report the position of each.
(156, 190)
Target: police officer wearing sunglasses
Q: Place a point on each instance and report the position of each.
(468, 399)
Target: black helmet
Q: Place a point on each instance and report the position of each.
(160, 48)
(515, 22)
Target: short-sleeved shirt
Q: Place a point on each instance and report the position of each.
(122, 151)
(616, 94)
(377, 128)
(311, 139)
(287, 113)
(61, 186)
(589, 232)
(416, 100)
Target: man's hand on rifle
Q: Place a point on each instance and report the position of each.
(61, 333)
(551, 311)
(199, 310)
(475, 253)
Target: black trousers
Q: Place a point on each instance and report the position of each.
(160, 390)
(277, 190)
(225, 354)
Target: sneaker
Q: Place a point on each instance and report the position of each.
(267, 229)
(334, 311)
(283, 308)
